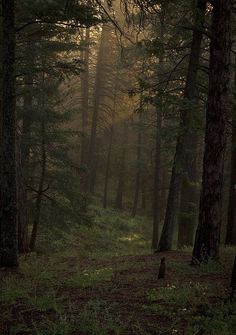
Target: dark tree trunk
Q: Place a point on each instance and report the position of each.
(233, 282)
(92, 156)
(144, 202)
(164, 187)
(38, 203)
(23, 209)
(108, 163)
(138, 173)
(23, 157)
(189, 195)
(8, 210)
(208, 233)
(122, 169)
(27, 114)
(85, 108)
(185, 132)
(231, 227)
(111, 135)
(157, 183)
(157, 166)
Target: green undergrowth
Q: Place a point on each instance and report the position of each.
(110, 233)
(89, 278)
(59, 290)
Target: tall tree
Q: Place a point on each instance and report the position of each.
(139, 159)
(210, 218)
(189, 201)
(157, 173)
(92, 155)
(109, 153)
(157, 183)
(8, 209)
(165, 242)
(40, 191)
(85, 99)
(122, 168)
(231, 226)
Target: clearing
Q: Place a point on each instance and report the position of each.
(112, 293)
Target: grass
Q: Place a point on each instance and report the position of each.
(65, 288)
(13, 289)
(101, 319)
(89, 278)
(218, 320)
(112, 233)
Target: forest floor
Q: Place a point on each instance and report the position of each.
(103, 293)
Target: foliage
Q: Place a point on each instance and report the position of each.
(89, 278)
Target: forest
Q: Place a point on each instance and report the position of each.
(117, 167)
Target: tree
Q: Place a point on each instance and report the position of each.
(233, 282)
(231, 227)
(210, 218)
(122, 168)
(111, 138)
(8, 210)
(165, 242)
(159, 116)
(85, 105)
(139, 158)
(99, 88)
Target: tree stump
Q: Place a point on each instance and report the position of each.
(162, 270)
(233, 282)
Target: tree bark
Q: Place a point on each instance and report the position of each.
(166, 239)
(85, 107)
(233, 282)
(38, 203)
(138, 173)
(97, 97)
(208, 233)
(157, 183)
(23, 207)
(144, 201)
(27, 114)
(8, 210)
(23, 156)
(122, 169)
(189, 195)
(157, 173)
(231, 226)
(107, 174)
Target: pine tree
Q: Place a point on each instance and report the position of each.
(8, 210)
(208, 233)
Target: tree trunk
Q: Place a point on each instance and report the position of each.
(189, 195)
(122, 169)
(23, 157)
(208, 233)
(233, 282)
(138, 174)
(8, 210)
(40, 191)
(157, 172)
(85, 108)
(97, 97)
(164, 187)
(166, 239)
(107, 174)
(111, 135)
(231, 227)
(27, 114)
(144, 202)
(157, 183)
(23, 208)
